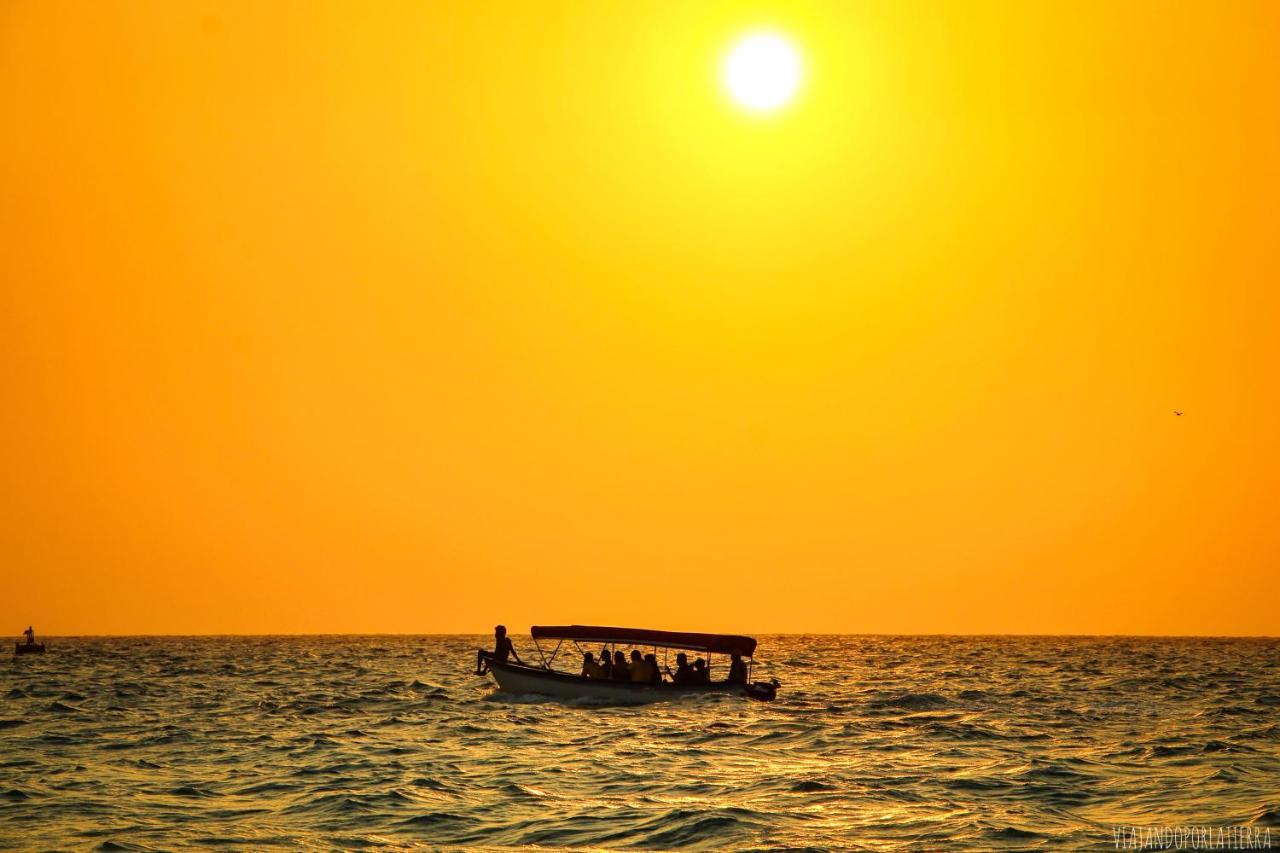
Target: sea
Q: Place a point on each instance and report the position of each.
(873, 743)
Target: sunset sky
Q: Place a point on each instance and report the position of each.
(417, 317)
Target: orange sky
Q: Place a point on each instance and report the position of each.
(417, 317)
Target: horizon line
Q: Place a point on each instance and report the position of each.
(755, 634)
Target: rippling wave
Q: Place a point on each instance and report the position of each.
(874, 743)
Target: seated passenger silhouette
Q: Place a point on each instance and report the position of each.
(502, 649)
(621, 672)
(591, 669)
(684, 672)
(651, 663)
(701, 675)
(606, 662)
(737, 669)
(639, 669)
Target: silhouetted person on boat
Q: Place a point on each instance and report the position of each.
(621, 672)
(737, 669)
(639, 672)
(684, 672)
(502, 649)
(591, 669)
(606, 662)
(701, 675)
(30, 635)
(655, 674)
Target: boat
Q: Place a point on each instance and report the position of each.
(29, 646)
(543, 679)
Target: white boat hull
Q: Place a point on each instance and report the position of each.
(517, 679)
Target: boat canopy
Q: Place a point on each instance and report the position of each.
(712, 643)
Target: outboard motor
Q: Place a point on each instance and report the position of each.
(763, 691)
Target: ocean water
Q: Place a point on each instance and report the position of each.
(875, 743)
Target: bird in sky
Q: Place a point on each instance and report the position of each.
(1176, 412)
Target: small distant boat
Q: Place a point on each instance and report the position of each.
(525, 678)
(29, 646)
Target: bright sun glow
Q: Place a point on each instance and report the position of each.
(762, 72)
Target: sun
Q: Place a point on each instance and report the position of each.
(762, 72)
